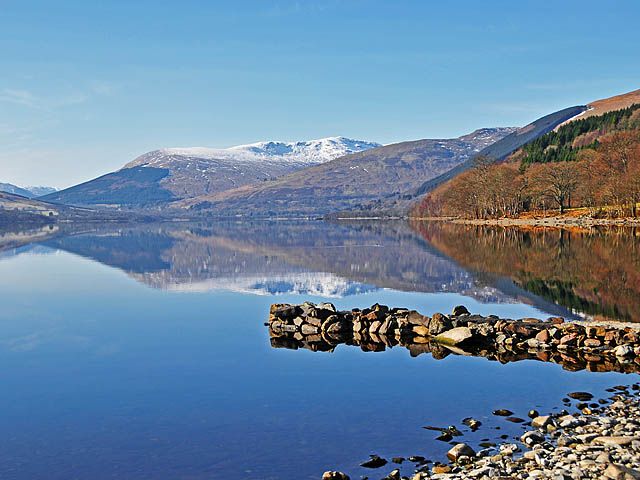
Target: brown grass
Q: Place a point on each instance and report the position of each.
(600, 107)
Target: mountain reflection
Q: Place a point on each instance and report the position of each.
(596, 273)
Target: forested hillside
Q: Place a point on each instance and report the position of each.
(592, 163)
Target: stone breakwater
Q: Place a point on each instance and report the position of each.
(575, 346)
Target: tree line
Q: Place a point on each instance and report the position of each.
(604, 176)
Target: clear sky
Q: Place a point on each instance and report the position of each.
(87, 85)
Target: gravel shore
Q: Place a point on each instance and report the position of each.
(601, 440)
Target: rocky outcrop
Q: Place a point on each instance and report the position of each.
(575, 346)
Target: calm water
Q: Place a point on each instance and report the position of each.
(141, 352)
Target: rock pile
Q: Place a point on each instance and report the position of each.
(575, 346)
(600, 441)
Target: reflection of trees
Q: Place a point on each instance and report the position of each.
(595, 272)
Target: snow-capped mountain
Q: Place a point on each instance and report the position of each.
(353, 181)
(170, 174)
(306, 153)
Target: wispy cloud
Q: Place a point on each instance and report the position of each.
(20, 97)
(26, 98)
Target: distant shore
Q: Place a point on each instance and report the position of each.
(547, 221)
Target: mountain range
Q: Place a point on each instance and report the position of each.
(272, 177)
(29, 192)
(331, 176)
(351, 180)
(172, 174)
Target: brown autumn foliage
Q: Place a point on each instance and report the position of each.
(605, 178)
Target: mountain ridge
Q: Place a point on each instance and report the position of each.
(352, 179)
(171, 174)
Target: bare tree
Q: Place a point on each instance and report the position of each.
(556, 182)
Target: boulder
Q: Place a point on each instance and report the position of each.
(326, 306)
(420, 330)
(623, 351)
(460, 450)
(439, 323)
(454, 336)
(541, 421)
(393, 475)
(617, 441)
(307, 329)
(459, 310)
(532, 438)
(620, 472)
(335, 476)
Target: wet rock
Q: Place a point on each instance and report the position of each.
(624, 351)
(502, 412)
(439, 323)
(438, 469)
(331, 475)
(472, 423)
(514, 419)
(509, 448)
(543, 336)
(393, 475)
(459, 310)
(618, 441)
(620, 472)
(582, 396)
(455, 336)
(460, 450)
(533, 414)
(445, 436)
(374, 462)
(420, 330)
(307, 329)
(326, 306)
(541, 421)
(532, 438)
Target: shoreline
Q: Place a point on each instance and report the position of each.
(551, 222)
(599, 440)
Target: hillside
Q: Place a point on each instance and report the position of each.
(351, 180)
(171, 174)
(17, 209)
(591, 162)
(600, 107)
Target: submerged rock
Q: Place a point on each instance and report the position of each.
(374, 462)
(502, 412)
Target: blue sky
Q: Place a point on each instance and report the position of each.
(87, 85)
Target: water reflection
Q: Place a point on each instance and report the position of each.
(104, 377)
(593, 273)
